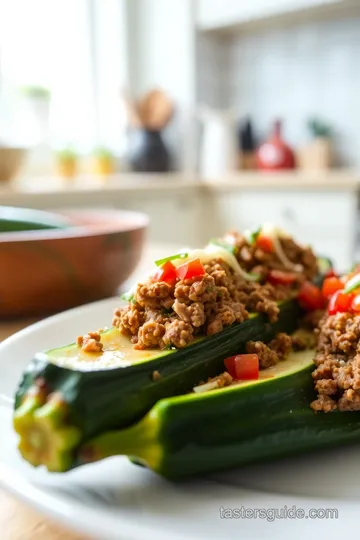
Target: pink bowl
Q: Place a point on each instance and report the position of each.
(47, 271)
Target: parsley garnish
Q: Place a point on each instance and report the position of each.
(254, 236)
(128, 297)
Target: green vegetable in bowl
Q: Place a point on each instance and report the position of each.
(23, 219)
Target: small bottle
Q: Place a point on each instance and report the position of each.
(247, 154)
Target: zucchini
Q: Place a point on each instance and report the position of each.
(60, 403)
(23, 219)
(235, 426)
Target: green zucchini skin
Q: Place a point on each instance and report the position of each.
(23, 219)
(98, 401)
(225, 429)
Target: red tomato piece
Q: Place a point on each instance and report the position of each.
(166, 272)
(355, 304)
(340, 303)
(278, 277)
(243, 367)
(265, 243)
(190, 269)
(331, 285)
(310, 296)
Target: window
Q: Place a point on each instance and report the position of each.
(74, 48)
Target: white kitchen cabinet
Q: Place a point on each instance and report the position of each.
(173, 218)
(216, 14)
(326, 220)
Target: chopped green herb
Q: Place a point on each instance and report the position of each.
(222, 244)
(128, 297)
(166, 312)
(256, 277)
(254, 236)
(160, 262)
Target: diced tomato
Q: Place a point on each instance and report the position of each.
(278, 277)
(265, 243)
(340, 303)
(190, 269)
(310, 296)
(331, 285)
(166, 272)
(355, 304)
(243, 367)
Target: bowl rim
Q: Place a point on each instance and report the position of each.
(136, 221)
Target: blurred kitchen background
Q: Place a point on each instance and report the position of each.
(207, 115)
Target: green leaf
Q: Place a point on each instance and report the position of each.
(160, 262)
(128, 297)
(254, 236)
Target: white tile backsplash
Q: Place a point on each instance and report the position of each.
(293, 73)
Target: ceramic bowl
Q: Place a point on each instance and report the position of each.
(47, 271)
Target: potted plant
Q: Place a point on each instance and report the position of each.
(103, 161)
(67, 163)
(318, 154)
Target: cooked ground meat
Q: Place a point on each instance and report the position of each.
(282, 344)
(129, 319)
(276, 351)
(193, 314)
(156, 375)
(177, 334)
(154, 295)
(90, 342)
(208, 303)
(267, 357)
(338, 363)
(150, 335)
(252, 258)
(225, 379)
(196, 290)
(324, 404)
(260, 303)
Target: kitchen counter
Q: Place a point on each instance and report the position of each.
(174, 182)
(318, 208)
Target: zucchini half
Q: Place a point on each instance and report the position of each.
(60, 403)
(222, 429)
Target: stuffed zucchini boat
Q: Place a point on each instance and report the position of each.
(179, 324)
(231, 427)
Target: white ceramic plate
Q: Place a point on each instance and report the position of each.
(116, 499)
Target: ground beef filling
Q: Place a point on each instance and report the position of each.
(167, 316)
(274, 352)
(90, 343)
(254, 259)
(337, 373)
